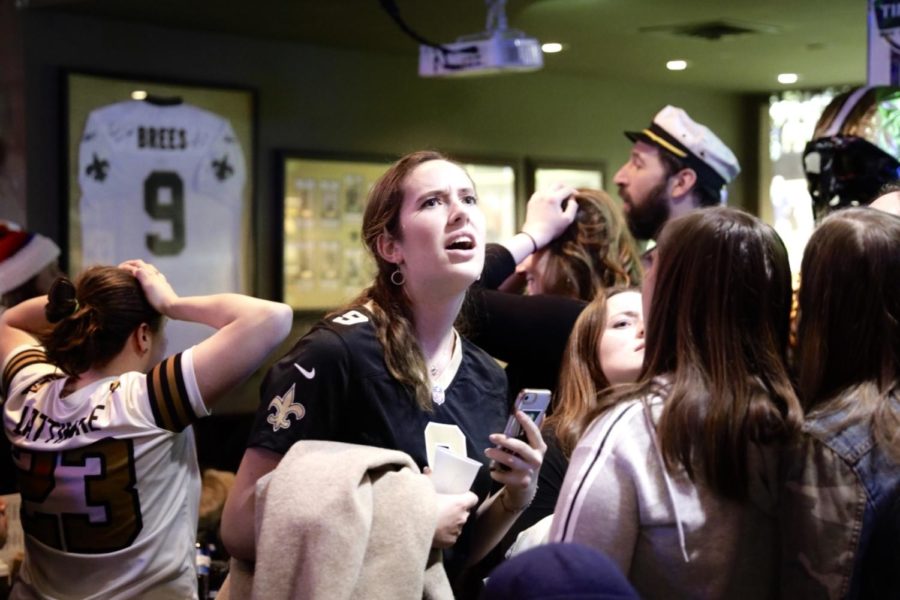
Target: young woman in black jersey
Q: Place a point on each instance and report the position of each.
(390, 370)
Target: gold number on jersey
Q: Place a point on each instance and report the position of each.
(112, 490)
(172, 211)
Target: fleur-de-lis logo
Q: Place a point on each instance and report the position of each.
(285, 407)
(222, 169)
(98, 168)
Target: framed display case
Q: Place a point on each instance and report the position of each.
(544, 173)
(324, 261)
(495, 182)
(166, 162)
(161, 172)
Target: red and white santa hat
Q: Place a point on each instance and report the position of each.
(22, 255)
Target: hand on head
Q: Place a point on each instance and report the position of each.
(522, 459)
(159, 292)
(546, 217)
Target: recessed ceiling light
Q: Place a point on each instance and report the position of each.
(138, 95)
(787, 78)
(552, 47)
(676, 65)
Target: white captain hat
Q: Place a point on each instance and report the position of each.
(695, 144)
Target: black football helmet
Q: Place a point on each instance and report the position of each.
(845, 170)
(854, 149)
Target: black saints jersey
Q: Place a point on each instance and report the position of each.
(334, 385)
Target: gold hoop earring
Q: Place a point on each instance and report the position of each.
(398, 278)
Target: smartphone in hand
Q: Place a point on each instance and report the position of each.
(532, 402)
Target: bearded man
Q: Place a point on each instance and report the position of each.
(676, 165)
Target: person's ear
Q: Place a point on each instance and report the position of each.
(389, 248)
(143, 338)
(682, 183)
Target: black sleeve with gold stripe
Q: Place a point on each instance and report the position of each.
(26, 358)
(168, 395)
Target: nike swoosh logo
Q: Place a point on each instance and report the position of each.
(308, 374)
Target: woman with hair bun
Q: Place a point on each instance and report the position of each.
(99, 420)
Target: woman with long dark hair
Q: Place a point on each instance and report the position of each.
(674, 477)
(841, 508)
(99, 420)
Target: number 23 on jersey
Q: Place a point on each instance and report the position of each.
(81, 500)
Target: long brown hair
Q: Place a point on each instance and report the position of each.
(717, 335)
(581, 376)
(93, 318)
(596, 251)
(848, 357)
(390, 306)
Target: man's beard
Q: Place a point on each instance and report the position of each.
(647, 218)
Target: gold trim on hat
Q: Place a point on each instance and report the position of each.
(665, 144)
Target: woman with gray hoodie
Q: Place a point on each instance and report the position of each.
(675, 477)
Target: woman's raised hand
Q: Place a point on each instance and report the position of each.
(546, 217)
(159, 292)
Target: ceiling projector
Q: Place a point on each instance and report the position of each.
(481, 54)
(495, 50)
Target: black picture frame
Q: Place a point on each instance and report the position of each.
(86, 91)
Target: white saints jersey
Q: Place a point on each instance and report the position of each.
(164, 183)
(109, 479)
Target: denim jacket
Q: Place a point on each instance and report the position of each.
(840, 513)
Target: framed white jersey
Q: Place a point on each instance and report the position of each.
(164, 183)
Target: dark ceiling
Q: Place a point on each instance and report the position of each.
(824, 41)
